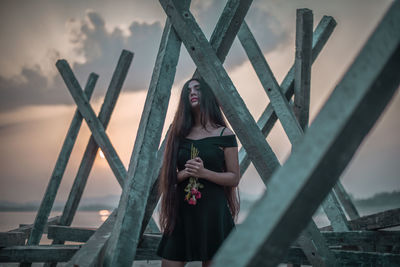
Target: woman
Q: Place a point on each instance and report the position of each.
(199, 179)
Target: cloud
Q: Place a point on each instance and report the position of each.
(100, 49)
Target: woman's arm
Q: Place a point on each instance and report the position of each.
(231, 177)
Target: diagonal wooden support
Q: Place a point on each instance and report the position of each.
(58, 172)
(90, 153)
(92, 121)
(311, 240)
(302, 70)
(227, 28)
(221, 40)
(346, 201)
(91, 254)
(154, 196)
(377, 221)
(210, 68)
(326, 149)
(289, 122)
(335, 213)
(122, 245)
(270, 85)
(268, 117)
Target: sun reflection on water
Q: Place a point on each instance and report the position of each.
(104, 214)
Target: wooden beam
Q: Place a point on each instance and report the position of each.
(12, 239)
(347, 258)
(279, 102)
(311, 241)
(380, 220)
(46, 205)
(27, 227)
(335, 213)
(270, 85)
(67, 233)
(210, 68)
(154, 195)
(63, 253)
(96, 127)
(268, 117)
(91, 254)
(38, 253)
(302, 65)
(227, 28)
(296, 189)
(121, 247)
(361, 238)
(346, 201)
(90, 153)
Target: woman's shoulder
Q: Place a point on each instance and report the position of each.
(225, 131)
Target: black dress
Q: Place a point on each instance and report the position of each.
(200, 229)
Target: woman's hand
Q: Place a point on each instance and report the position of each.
(183, 175)
(195, 167)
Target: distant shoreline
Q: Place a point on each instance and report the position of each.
(385, 199)
(58, 208)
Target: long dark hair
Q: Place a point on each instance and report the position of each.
(181, 125)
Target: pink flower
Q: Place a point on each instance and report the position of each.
(194, 191)
(192, 201)
(198, 194)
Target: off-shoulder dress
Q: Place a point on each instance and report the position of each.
(201, 228)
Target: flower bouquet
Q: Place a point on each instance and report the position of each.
(192, 188)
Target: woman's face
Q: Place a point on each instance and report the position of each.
(194, 93)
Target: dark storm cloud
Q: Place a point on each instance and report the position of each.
(101, 49)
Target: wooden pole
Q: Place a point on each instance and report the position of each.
(296, 189)
(58, 172)
(122, 245)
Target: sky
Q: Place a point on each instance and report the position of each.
(36, 108)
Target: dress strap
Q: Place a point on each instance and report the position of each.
(222, 131)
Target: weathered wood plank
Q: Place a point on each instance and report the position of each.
(227, 28)
(96, 127)
(296, 189)
(380, 220)
(58, 172)
(377, 221)
(348, 258)
(154, 195)
(268, 117)
(361, 238)
(12, 239)
(147, 251)
(270, 85)
(121, 247)
(67, 233)
(335, 213)
(91, 254)
(90, 153)
(346, 201)
(302, 65)
(38, 253)
(63, 253)
(311, 241)
(27, 227)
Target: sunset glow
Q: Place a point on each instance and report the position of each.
(101, 154)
